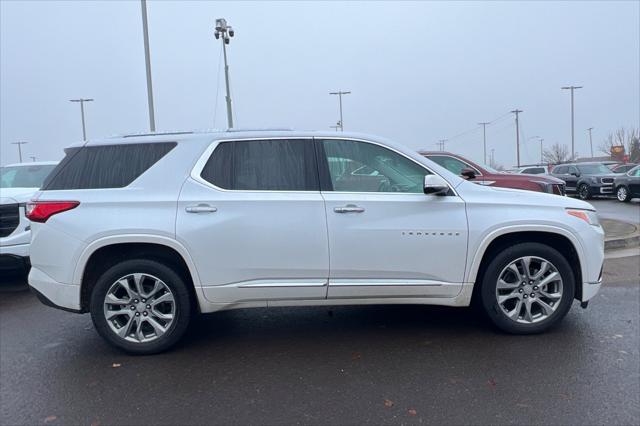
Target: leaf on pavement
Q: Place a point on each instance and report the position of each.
(412, 412)
(388, 403)
(50, 419)
(356, 356)
(115, 365)
(492, 382)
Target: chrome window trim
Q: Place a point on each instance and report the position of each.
(204, 157)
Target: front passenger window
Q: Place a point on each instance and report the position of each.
(365, 167)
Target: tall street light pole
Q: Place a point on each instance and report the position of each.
(441, 143)
(19, 143)
(539, 140)
(340, 93)
(516, 112)
(82, 101)
(33, 158)
(484, 139)
(573, 145)
(224, 32)
(147, 60)
(590, 140)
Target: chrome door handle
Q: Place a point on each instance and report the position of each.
(200, 208)
(349, 208)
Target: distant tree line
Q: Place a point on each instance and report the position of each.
(628, 138)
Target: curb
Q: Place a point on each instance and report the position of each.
(624, 241)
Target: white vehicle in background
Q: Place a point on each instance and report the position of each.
(144, 230)
(534, 170)
(18, 183)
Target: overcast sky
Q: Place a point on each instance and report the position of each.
(418, 72)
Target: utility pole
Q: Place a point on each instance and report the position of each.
(33, 158)
(19, 143)
(493, 160)
(82, 101)
(590, 140)
(340, 93)
(336, 127)
(573, 145)
(516, 112)
(541, 155)
(224, 32)
(147, 60)
(484, 139)
(441, 144)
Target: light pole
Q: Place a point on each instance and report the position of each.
(82, 101)
(147, 61)
(19, 143)
(590, 140)
(224, 32)
(516, 112)
(539, 140)
(493, 160)
(573, 145)
(484, 139)
(33, 158)
(441, 143)
(340, 93)
(336, 127)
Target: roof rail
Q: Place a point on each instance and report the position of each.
(262, 129)
(133, 135)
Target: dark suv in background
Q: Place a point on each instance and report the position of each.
(586, 179)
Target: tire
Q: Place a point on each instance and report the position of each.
(515, 321)
(584, 192)
(145, 326)
(622, 194)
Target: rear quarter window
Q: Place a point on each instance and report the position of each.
(105, 166)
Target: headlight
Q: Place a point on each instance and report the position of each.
(588, 216)
(546, 186)
(593, 179)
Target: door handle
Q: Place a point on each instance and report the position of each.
(349, 208)
(200, 208)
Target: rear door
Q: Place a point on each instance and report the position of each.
(253, 219)
(391, 240)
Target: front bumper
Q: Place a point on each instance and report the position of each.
(53, 293)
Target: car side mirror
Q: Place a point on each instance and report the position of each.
(435, 185)
(468, 173)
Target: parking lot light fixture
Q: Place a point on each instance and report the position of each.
(224, 33)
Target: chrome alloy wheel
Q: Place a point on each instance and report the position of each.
(139, 308)
(529, 289)
(621, 193)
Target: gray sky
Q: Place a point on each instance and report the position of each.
(418, 71)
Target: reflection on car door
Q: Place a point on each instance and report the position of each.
(392, 241)
(254, 222)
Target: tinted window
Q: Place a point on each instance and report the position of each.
(560, 170)
(452, 164)
(105, 166)
(24, 176)
(594, 169)
(533, 170)
(364, 167)
(573, 170)
(263, 165)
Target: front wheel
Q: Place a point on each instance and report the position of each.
(584, 192)
(622, 193)
(141, 306)
(527, 288)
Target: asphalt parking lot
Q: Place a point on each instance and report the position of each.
(345, 365)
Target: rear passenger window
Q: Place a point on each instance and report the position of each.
(561, 170)
(105, 166)
(263, 165)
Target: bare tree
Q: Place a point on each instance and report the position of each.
(556, 154)
(621, 137)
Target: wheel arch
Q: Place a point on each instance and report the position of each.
(103, 253)
(557, 238)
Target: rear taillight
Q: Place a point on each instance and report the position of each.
(40, 211)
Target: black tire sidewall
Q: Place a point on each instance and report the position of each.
(169, 277)
(588, 191)
(490, 279)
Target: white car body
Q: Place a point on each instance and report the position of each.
(14, 247)
(286, 248)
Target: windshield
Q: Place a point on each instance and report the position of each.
(594, 169)
(24, 176)
(490, 169)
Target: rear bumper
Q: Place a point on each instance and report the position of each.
(53, 293)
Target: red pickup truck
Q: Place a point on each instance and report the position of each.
(485, 175)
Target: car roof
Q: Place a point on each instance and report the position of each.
(32, 163)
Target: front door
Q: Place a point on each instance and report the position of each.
(253, 220)
(389, 239)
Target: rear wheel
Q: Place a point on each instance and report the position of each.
(622, 194)
(527, 288)
(141, 306)
(584, 192)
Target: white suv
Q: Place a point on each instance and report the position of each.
(143, 231)
(18, 183)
